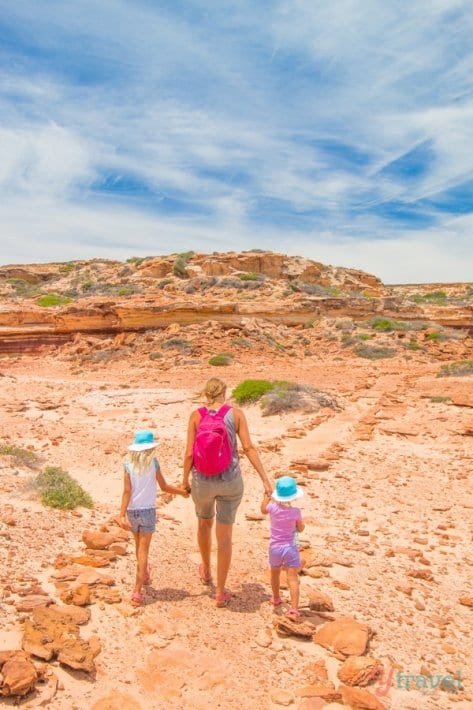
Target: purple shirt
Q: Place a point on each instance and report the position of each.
(283, 523)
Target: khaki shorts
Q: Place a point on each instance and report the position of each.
(212, 493)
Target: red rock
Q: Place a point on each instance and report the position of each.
(345, 636)
(79, 596)
(98, 540)
(117, 701)
(359, 670)
(319, 601)
(18, 675)
(466, 601)
(359, 699)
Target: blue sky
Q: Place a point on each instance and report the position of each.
(340, 130)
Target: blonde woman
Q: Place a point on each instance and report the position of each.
(138, 508)
(219, 493)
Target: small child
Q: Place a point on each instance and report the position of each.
(139, 503)
(286, 522)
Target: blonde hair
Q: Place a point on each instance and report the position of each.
(141, 460)
(213, 389)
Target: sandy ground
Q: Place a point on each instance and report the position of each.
(397, 488)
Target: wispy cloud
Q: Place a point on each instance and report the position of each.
(342, 130)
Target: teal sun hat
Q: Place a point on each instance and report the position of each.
(144, 439)
(287, 490)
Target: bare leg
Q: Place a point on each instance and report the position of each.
(224, 554)
(276, 581)
(142, 543)
(204, 540)
(293, 584)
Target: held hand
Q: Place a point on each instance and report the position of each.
(268, 489)
(184, 491)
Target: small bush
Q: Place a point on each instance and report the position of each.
(461, 368)
(372, 352)
(250, 276)
(23, 457)
(386, 325)
(435, 336)
(24, 288)
(53, 299)
(67, 267)
(126, 290)
(178, 343)
(179, 266)
(414, 345)
(251, 390)
(221, 360)
(289, 396)
(136, 260)
(164, 282)
(438, 399)
(431, 297)
(242, 342)
(59, 490)
(155, 355)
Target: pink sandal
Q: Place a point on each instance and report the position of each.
(137, 599)
(293, 614)
(222, 600)
(275, 601)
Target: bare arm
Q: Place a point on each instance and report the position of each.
(122, 521)
(175, 490)
(187, 464)
(264, 504)
(249, 449)
(300, 525)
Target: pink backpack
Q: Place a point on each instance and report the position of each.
(212, 451)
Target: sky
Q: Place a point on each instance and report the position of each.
(338, 130)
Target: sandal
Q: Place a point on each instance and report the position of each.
(293, 614)
(275, 601)
(222, 600)
(137, 599)
(205, 576)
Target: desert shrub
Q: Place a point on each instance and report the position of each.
(430, 297)
(180, 263)
(53, 299)
(251, 276)
(136, 260)
(309, 324)
(238, 283)
(242, 342)
(438, 399)
(289, 396)
(155, 355)
(126, 290)
(67, 267)
(373, 352)
(177, 343)
(386, 325)
(461, 368)
(221, 359)
(164, 282)
(21, 456)
(23, 288)
(251, 390)
(435, 335)
(59, 490)
(414, 345)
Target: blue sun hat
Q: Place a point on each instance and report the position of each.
(287, 490)
(144, 439)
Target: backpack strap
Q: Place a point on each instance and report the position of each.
(222, 411)
(203, 411)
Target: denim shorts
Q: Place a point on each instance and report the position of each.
(212, 493)
(142, 521)
(284, 556)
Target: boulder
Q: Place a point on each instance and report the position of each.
(359, 670)
(344, 636)
(18, 675)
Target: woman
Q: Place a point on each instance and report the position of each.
(223, 491)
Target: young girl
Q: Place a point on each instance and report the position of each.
(286, 521)
(139, 503)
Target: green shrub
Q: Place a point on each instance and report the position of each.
(435, 335)
(136, 260)
(309, 324)
(23, 288)
(373, 352)
(164, 282)
(430, 297)
(461, 368)
(250, 276)
(53, 299)
(179, 266)
(289, 396)
(59, 490)
(386, 325)
(23, 457)
(242, 342)
(178, 343)
(126, 290)
(221, 360)
(438, 399)
(251, 390)
(414, 345)
(363, 336)
(155, 355)
(67, 267)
